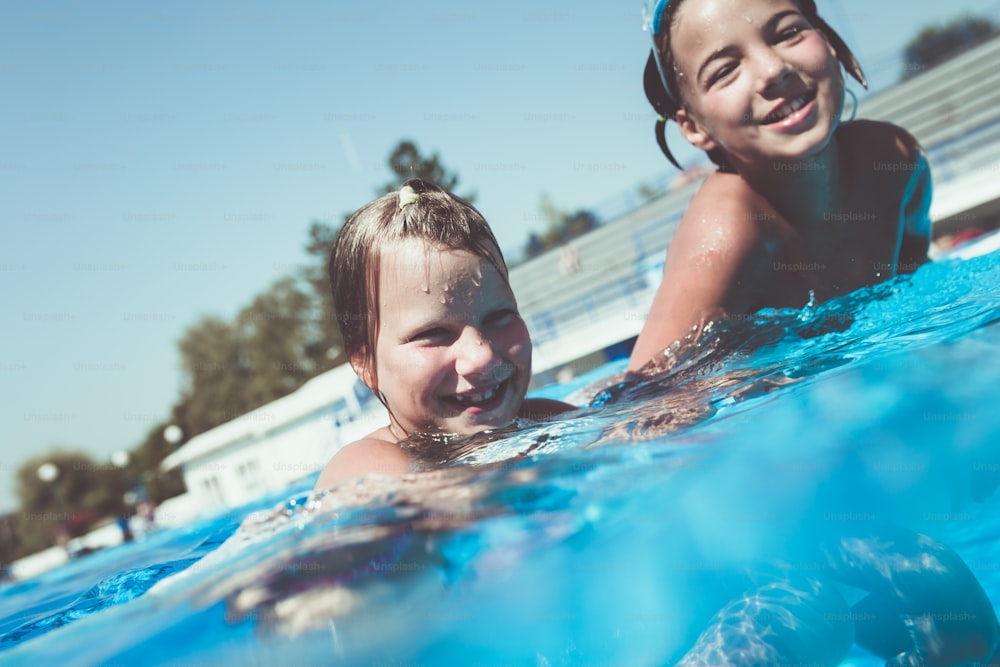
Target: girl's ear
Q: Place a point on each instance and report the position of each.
(693, 132)
(362, 367)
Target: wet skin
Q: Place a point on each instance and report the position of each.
(814, 206)
(452, 356)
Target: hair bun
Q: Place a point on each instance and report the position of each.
(407, 196)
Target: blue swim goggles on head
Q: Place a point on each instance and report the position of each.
(652, 22)
(652, 19)
(665, 99)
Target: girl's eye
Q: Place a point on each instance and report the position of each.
(721, 73)
(501, 318)
(791, 33)
(437, 333)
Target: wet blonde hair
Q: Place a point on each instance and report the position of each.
(418, 210)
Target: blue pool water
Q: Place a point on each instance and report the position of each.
(612, 536)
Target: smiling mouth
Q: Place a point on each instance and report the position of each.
(788, 108)
(483, 399)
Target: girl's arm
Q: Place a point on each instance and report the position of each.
(716, 263)
(886, 142)
(915, 232)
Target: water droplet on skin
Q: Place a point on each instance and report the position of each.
(443, 300)
(423, 288)
(747, 19)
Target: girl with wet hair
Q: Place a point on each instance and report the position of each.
(804, 205)
(429, 324)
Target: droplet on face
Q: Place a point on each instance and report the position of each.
(443, 300)
(423, 288)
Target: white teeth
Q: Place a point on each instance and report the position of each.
(476, 398)
(787, 109)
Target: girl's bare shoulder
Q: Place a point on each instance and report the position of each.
(726, 208)
(368, 456)
(726, 190)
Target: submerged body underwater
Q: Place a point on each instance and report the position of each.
(807, 482)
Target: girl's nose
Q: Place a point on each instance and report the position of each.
(475, 354)
(772, 71)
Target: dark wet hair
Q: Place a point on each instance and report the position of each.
(418, 210)
(666, 99)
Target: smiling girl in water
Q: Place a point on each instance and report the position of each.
(802, 204)
(429, 323)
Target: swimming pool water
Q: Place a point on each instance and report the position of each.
(608, 537)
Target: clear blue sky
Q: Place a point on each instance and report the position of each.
(160, 162)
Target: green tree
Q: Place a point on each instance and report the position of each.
(83, 492)
(406, 162)
(10, 539)
(231, 369)
(214, 370)
(143, 470)
(324, 347)
(649, 192)
(579, 223)
(561, 227)
(936, 43)
(273, 332)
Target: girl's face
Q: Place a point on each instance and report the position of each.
(758, 81)
(452, 353)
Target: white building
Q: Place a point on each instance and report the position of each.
(278, 443)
